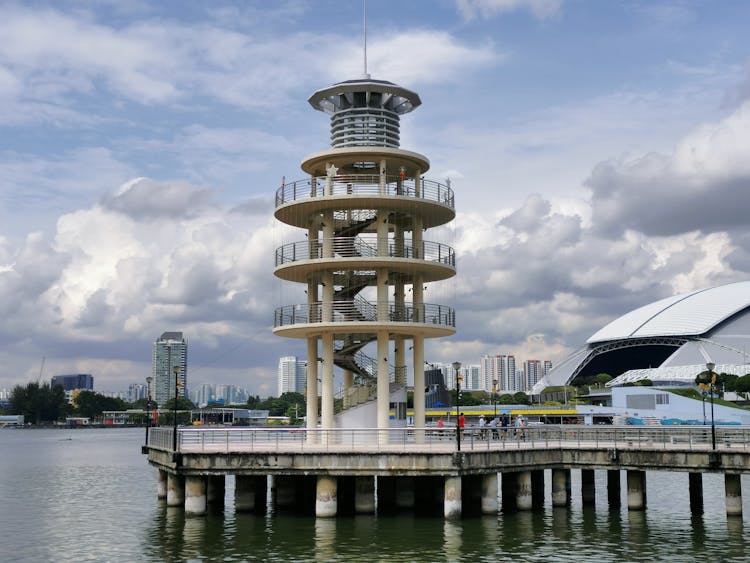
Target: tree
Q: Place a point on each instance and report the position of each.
(92, 405)
(38, 403)
(520, 398)
(742, 384)
(602, 379)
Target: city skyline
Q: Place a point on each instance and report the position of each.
(598, 152)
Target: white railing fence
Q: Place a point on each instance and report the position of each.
(263, 439)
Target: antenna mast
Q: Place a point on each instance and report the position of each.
(364, 29)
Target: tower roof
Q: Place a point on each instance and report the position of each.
(344, 95)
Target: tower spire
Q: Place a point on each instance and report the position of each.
(364, 33)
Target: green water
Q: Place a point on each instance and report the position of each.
(89, 495)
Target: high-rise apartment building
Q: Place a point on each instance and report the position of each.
(501, 369)
(137, 391)
(169, 359)
(292, 375)
(532, 373)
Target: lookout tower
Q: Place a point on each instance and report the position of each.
(365, 208)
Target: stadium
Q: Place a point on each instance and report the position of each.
(668, 342)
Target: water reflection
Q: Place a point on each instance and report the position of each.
(452, 539)
(325, 538)
(50, 486)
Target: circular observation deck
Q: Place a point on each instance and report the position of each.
(297, 201)
(297, 261)
(358, 316)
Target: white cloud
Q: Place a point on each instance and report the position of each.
(542, 9)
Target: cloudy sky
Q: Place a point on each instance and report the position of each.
(599, 152)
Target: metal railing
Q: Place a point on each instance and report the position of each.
(360, 310)
(364, 247)
(365, 185)
(244, 439)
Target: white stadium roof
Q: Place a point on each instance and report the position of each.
(689, 314)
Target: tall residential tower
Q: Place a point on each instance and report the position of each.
(169, 356)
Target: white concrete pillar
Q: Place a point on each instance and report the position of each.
(419, 387)
(405, 492)
(383, 178)
(560, 481)
(326, 403)
(364, 495)
(195, 495)
(245, 493)
(523, 490)
(215, 488)
(399, 357)
(175, 490)
(326, 502)
(588, 487)
(312, 390)
(452, 497)
(161, 484)
(733, 494)
(328, 230)
(383, 387)
(636, 490)
(417, 183)
(489, 493)
(418, 298)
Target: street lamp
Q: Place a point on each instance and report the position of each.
(708, 378)
(494, 395)
(456, 367)
(176, 396)
(149, 379)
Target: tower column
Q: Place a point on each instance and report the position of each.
(588, 486)
(419, 386)
(613, 487)
(695, 486)
(161, 484)
(311, 407)
(326, 404)
(364, 495)
(383, 389)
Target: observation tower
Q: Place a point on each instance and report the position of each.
(365, 257)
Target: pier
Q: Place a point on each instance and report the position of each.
(327, 472)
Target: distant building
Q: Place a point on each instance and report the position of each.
(169, 352)
(292, 375)
(500, 368)
(76, 381)
(533, 372)
(136, 392)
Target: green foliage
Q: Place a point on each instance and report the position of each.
(38, 403)
(183, 404)
(644, 383)
(520, 398)
(601, 379)
(90, 404)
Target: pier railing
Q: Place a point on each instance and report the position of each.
(255, 439)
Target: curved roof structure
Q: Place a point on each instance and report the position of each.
(689, 314)
(687, 330)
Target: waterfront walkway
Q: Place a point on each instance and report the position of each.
(344, 463)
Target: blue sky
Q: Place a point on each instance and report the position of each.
(598, 151)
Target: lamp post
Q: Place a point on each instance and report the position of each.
(708, 379)
(176, 395)
(494, 395)
(149, 379)
(711, 380)
(456, 367)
